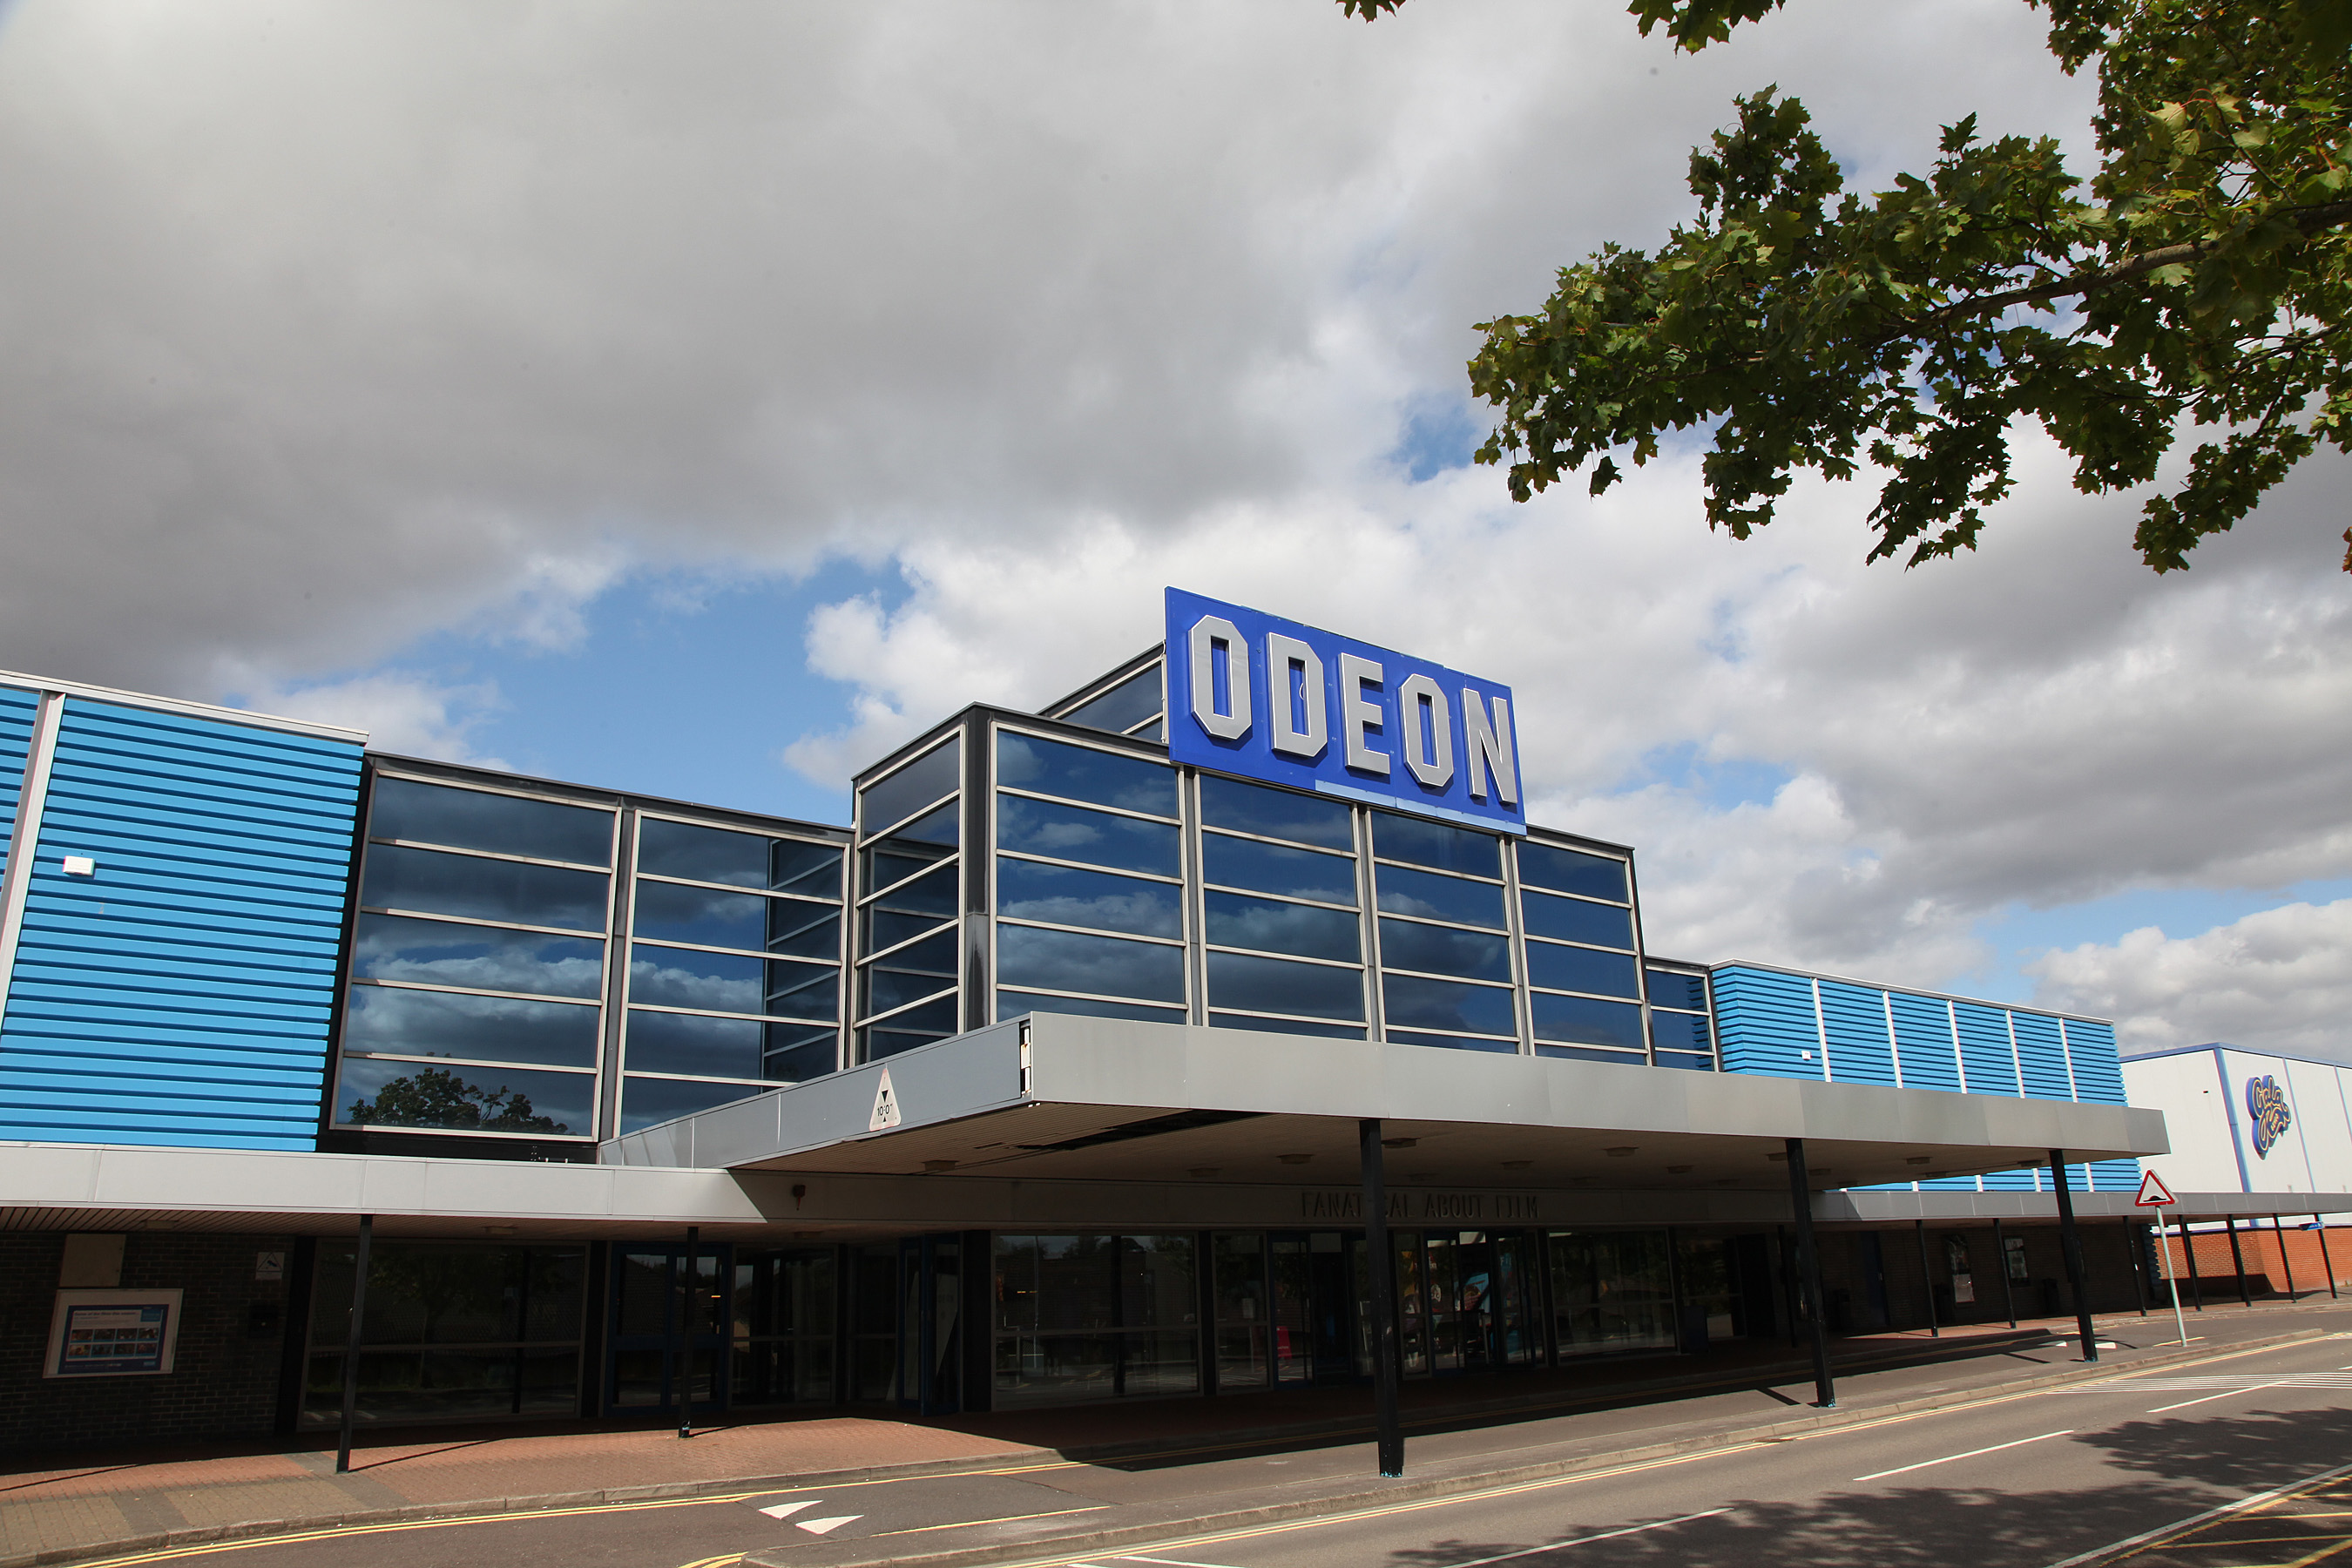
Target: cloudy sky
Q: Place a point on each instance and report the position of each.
(700, 397)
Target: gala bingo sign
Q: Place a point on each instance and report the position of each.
(1261, 697)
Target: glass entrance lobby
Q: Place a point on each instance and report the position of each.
(485, 1331)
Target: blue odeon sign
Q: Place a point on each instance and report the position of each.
(2266, 1105)
(1261, 697)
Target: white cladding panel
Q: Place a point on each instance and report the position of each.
(2315, 1091)
(2202, 1094)
(2188, 1089)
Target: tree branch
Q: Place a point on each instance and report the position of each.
(2311, 220)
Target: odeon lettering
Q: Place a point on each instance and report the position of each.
(1267, 699)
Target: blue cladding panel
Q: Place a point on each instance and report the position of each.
(1922, 1034)
(1765, 1022)
(1984, 1051)
(1949, 1184)
(182, 996)
(17, 711)
(2010, 1181)
(2042, 1057)
(2098, 1074)
(2116, 1176)
(1860, 1050)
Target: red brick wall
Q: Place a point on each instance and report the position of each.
(2261, 1250)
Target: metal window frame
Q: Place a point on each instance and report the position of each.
(616, 881)
(596, 1001)
(1177, 880)
(514, 792)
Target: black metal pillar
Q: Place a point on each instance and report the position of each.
(2139, 1255)
(2319, 1224)
(2196, 1283)
(682, 1365)
(352, 1343)
(1786, 1272)
(2286, 1264)
(2069, 1242)
(2238, 1259)
(2007, 1289)
(1928, 1279)
(1379, 1271)
(1809, 1273)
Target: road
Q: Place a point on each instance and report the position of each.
(2034, 1481)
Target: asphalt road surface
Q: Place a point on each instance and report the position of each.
(2227, 1465)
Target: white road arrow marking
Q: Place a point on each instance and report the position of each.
(786, 1509)
(827, 1526)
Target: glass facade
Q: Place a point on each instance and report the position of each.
(453, 1331)
(1682, 1018)
(1111, 884)
(484, 994)
(1081, 1318)
(909, 903)
(735, 954)
(474, 999)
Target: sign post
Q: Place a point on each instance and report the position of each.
(2155, 1194)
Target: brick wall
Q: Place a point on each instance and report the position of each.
(224, 1382)
(2267, 1270)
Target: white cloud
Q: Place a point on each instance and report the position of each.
(407, 714)
(2279, 980)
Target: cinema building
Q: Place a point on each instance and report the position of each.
(1046, 1081)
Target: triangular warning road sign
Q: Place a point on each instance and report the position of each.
(885, 1105)
(2153, 1193)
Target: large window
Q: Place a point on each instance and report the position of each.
(1445, 935)
(1583, 976)
(910, 892)
(1279, 910)
(1094, 1317)
(453, 1331)
(1682, 1031)
(734, 967)
(1090, 882)
(478, 966)
(1130, 707)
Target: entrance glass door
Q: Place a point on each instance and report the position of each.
(668, 1330)
(931, 1339)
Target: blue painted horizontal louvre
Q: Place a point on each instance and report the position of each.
(1861, 1050)
(182, 994)
(2098, 1072)
(17, 712)
(1924, 1043)
(2041, 1054)
(1766, 1023)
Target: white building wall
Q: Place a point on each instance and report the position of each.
(2202, 1093)
(2284, 1168)
(2322, 1101)
(2186, 1087)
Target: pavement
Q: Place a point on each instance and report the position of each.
(1151, 1462)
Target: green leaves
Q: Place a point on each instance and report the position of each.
(2199, 279)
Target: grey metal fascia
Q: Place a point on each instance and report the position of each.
(1116, 1063)
(256, 1181)
(945, 1081)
